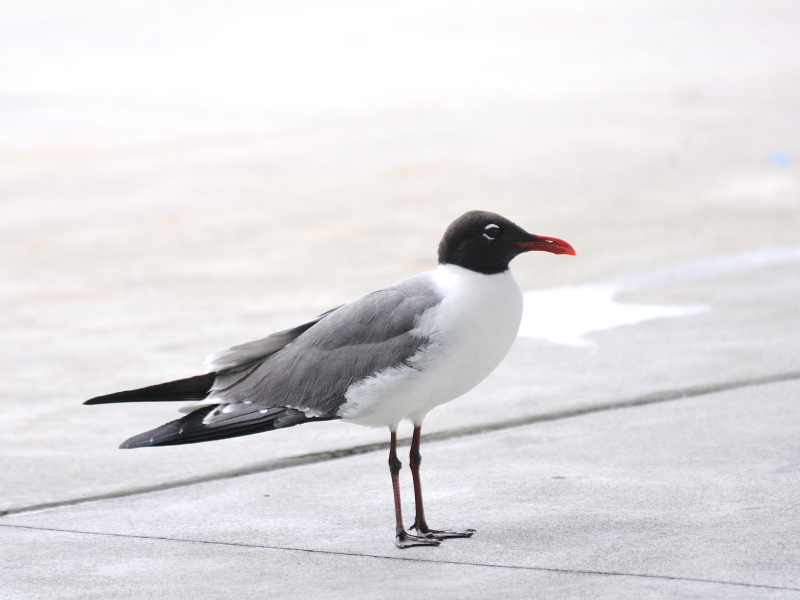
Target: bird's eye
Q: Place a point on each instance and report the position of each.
(490, 232)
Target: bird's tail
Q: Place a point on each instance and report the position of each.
(192, 429)
(249, 418)
(193, 388)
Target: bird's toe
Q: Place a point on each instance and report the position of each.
(407, 540)
(443, 534)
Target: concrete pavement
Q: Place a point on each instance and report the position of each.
(153, 213)
(692, 497)
(751, 331)
(688, 498)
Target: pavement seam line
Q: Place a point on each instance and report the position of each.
(406, 559)
(317, 457)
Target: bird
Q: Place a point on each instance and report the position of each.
(389, 356)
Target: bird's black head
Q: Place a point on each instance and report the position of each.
(486, 242)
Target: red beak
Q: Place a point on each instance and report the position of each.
(548, 244)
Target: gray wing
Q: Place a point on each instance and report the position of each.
(245, 354)
(313, 371)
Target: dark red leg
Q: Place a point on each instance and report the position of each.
(421, 526)
(403, 539)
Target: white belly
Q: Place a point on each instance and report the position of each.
(471, 331)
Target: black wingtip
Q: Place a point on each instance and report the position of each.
(183, 390)
(168, 434)
(191, 429)
(134, 442)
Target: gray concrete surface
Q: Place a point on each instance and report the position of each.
(694, 497)
(751, 331)
(170, 188)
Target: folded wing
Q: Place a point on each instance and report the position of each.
(260, 386)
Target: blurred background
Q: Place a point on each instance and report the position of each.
(176, 177)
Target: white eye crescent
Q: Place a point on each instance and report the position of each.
(490, 232)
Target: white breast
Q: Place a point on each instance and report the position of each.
(471, 331)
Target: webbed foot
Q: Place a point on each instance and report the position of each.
(407, 540)
(441, 534)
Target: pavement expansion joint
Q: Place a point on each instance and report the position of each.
(317, 457)
(564, 571)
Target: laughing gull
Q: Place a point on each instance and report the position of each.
(391, 355)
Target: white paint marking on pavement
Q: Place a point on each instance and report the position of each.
(566, 315)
